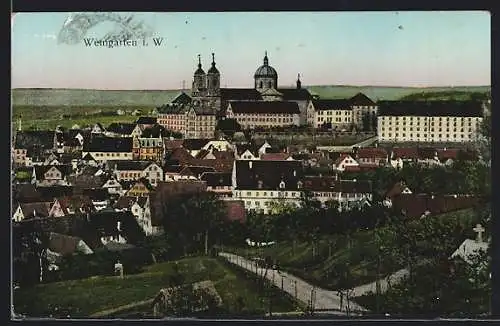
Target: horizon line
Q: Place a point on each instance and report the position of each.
(290, 87)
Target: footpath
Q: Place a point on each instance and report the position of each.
(324, 301)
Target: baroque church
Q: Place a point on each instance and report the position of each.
(208, 98)
(206, 90)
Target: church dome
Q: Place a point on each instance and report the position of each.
(266, 70)
(213, 70)
(199, 71)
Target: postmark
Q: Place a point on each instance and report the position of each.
(127, 31)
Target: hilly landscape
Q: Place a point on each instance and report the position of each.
(48, 108)
(152, 98)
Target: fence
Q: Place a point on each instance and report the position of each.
(290, 286)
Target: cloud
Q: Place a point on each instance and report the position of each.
(46, 36)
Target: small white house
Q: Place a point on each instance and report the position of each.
(345, 161)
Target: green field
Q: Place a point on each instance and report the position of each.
(387, 93)
(81, 298)
(44, 108)
(47, 117)
(152, 98)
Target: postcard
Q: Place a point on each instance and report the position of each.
(251, 165)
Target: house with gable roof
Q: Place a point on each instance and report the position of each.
(336, 113)
(363, 107)
(219, 183)
(347, 194)
(151, 148)
(36, 142)
(140, 188)
(113, 186)
(146, 122)
(49, 175)
(260, 183)
(120, 129)
(345, 162)
(372, 156)
(135, 170)
(247, 152)
(103, 148)
(140, 207)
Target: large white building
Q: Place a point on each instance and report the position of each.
(254, 114)
(342, 113)
(431, 121)
(102, 148)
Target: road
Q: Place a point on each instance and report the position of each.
(327, 301)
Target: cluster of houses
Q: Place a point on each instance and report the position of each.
(105, 186)
(106, 166)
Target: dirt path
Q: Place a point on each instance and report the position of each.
(325, 300)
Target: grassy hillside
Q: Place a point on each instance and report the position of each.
(81, 298)
(48, 117)
(334, 254)
(45, 107)
(386, 93)
(151, 98)
(90, 97)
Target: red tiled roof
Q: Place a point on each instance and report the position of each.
(182, 156)
(172, 144)
(75, 203)
(217, 164)
(274, 156)
(444, 154)
(414, 205)
(372, 152)
(405, 153)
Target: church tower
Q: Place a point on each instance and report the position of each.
(299, 84)
(213, 79)
(199, 81)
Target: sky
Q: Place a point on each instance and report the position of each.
(410, 49)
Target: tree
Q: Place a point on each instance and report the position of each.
(29, 253)
(159, 247)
